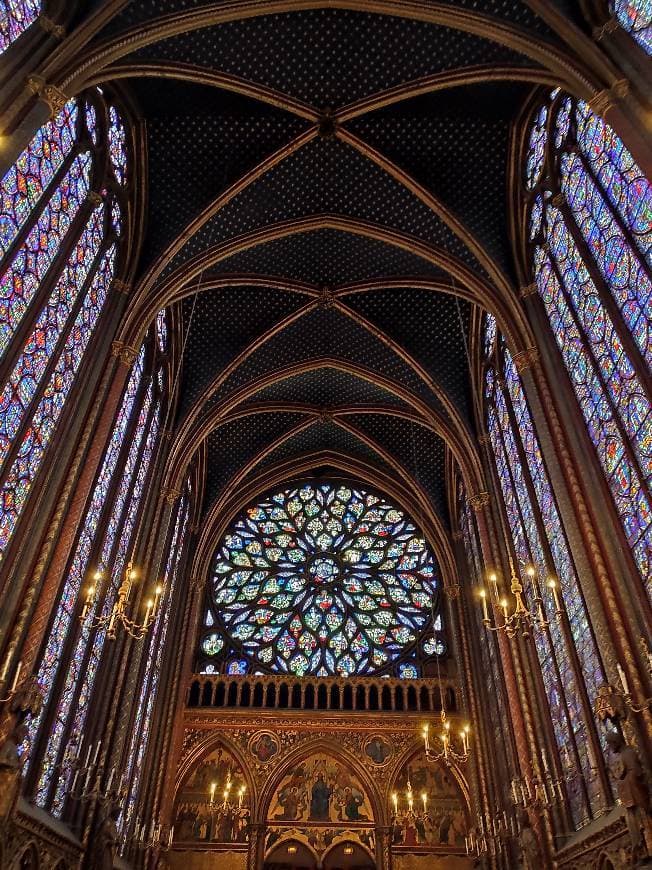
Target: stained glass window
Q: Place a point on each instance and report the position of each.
(162, 330)
(152, 671)
(539, 540)
(591, 239)
(15, 17)
(323, 579)
(635, 16)
(56, 268)
(117, 145)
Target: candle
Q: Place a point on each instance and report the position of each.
(16, 676)
(552, 584)
(494, 585)
(623, 678)
(148, 611)
(514, 791)
(213, 787)
(424, 798)
(466, 844)
(503, 604)
(110, 782)
(97, 752)
(240, 796)
(545, 761)
(5, 667)
(485, 610)
(425, 737)
(74, 781)
(171, 835)
(88, 756)
(395, 802)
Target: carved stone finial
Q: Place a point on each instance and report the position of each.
(50, 26)
(479, 501)
(524, 359)
(124, 353)
(529, 290)
(610, 26)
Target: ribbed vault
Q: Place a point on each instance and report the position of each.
(329, 197)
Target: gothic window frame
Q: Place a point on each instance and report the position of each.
(233, 659)
(616, 369)
(557, 655)
(104, 194)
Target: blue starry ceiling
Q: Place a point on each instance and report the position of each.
(357, 219)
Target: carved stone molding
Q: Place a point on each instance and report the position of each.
(94, 198)
(458, 536)
(50, 26)
(50, 94)
(525, 359)
(125, 354)
(121, 286)
(453, 590)
(485, 438)
(479, 501)
(558, 200)
(326, 298)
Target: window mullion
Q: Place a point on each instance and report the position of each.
(99, 542)
(45, 288)
(553, 657)
(73, 634)
(606, 297)
(6, 466)
(598, 373)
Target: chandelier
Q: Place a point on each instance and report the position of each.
(409, 800)
(118, 614)
(521, 619)
(226, 803)
(445, 749)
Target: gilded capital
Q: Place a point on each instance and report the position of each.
(479, 501)
(604, 100)
(50, 94)
(121, 286)
(50, 26)
(610, 26)
(529, 290)
(125, 354)
(524, 359)
(171, 495)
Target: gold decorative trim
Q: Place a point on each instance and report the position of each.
(326, 298)
(121, 286)
(50, 26)
(558, 200)
(124, 353)
(485, 438)
(458, 536)
(453, 590)
(94, 198)
(479, 501)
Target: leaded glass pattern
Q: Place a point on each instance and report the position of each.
(591, 246)
(323, 579)
(635, 16)
(117, 145)
(539, 540)
(150, 680)
(57, 264)
(15, 17)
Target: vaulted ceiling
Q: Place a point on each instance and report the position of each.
(328, 190)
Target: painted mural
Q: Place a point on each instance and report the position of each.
(320, 790)
(320, 839)
(212, 804)
(428, 807)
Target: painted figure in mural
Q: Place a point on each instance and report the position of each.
(290, 799)
(320, 801)
(265, 748)
(378, 750)
(353, 800)
(633, 793)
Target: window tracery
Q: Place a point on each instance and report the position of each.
(15, 17)
(590, 227)
(635, 16)
(324, 579)
(58, 261)
(570, 666)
